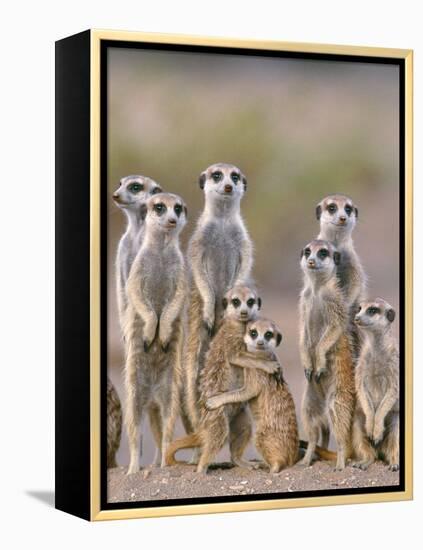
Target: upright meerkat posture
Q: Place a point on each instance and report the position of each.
(376, 421)
(271, 403)
(131, 193)
(220, 257)
(114, 424)
(215, 427)
(157, 290)
(325, 352)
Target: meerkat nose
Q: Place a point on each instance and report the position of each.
(311, 263)
(115, 195)
(260, 344)
(228, 188)
(172, 221)
(342, 219)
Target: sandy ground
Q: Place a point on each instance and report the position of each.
(182, 482)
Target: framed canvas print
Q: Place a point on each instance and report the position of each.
(233, 275)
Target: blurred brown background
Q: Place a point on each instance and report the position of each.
(298, 129)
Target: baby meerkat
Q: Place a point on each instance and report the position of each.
(376, 421)
(338, 216)
(240, 304)
(325, 351)
(220, 257)
(131, 193)
(157, 291)
(271, 403)
(114, 424)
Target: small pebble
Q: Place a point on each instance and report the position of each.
(155, 493)
(268, 481)
(236, 487)
(146, 474)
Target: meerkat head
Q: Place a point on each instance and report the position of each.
(376, 315)
(241, 303)
(165, 212)
(262, 335)
(319, 257)
(223, 181)
(338, 213)
(134, 190)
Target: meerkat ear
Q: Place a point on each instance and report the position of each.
(143, 210)
(156, 190)
(278, 339)
(202, 180)
(244, 181)
(356, 211)
(259, 302)
(318, 211)
(336, 258)
(302, 253)
(390, 315)
(186, 211)
(225, 303)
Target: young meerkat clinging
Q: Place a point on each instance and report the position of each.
(240, 304)
(132, 192)
(325, 351)
(270, 401)
(376, 421)
(220, 257)
(338, 216)
(157, 291)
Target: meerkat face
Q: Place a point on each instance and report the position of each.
(376, 315)
(338, 211)
(319, 256)
(134, 190)
(224, 181)
(262, 335)
(241, 303)
(165, 212)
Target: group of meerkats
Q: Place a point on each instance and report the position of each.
(197, 347)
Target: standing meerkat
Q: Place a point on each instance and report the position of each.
(338, 216)
(220, 256)
(376, 421)
(270, 401)
(132, 192)
(157, 291)
(114, 424)
(241, 304)
(325, 352)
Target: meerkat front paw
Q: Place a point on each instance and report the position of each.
(377, 436)
(393, 467)
(369, 428)
(149, 334)
(278, 375)
(213, 403)
(308, 374)
(164, 339)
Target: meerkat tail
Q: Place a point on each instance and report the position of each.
(324, 454)
(188, 442)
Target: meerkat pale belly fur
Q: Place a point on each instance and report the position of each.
(270, 401)
(157, 290)
(325, 351)
(231, 422)
(114, 424)
(376, 421)
(132, 192)
(219, 256)
(338, 217)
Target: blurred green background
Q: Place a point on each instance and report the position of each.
(298, 129)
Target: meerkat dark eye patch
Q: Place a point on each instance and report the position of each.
(250, 302)
(235, 177)
(372, 310)
(236, 302)
(348, 209)
(178, 209)
(135, 187)
(390, 315)
(323, 253)
(306, 252)
(332, 208)
(253, 333)
(160, 208)
(156, 190)
(268, 335)
(217, 176)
